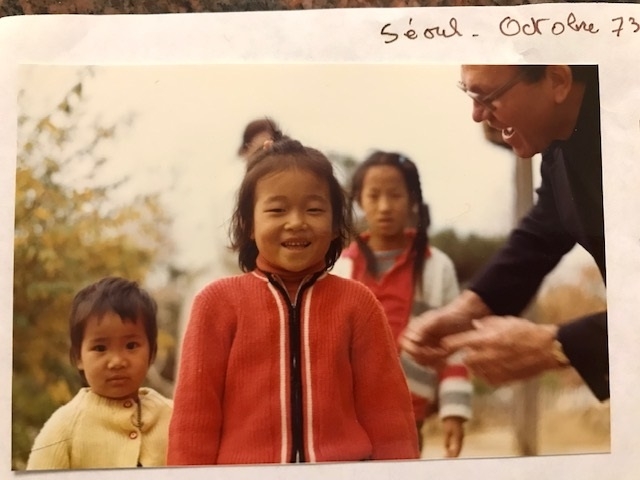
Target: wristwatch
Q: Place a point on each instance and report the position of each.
(558, 353)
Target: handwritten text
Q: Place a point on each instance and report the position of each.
(429, 32)
(511, 26)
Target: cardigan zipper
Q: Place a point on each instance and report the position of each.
(297, 426)
(295, 365)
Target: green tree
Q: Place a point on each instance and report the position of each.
(69, 231)
(344, 167)
(468, 253)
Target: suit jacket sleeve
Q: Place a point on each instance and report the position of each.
(532, 250)
(513, 276)
(584, 342)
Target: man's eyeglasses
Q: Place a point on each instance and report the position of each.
(487, 100)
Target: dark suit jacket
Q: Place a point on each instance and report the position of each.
(569, 210)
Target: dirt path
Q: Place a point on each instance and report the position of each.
(560, 431)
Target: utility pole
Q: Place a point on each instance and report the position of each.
(525, 394)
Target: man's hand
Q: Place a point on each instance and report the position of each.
(422, 337)
(504, 349)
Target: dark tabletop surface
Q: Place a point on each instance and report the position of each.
(30, 7)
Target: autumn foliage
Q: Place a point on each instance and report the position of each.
(69, 231)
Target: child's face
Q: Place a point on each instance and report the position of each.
(114, 356)
(385, 201)
(292, 219)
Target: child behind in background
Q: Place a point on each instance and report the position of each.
(255, 133)
(113, 422)
(287, 363)
(408, 276)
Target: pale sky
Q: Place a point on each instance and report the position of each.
(188, 120)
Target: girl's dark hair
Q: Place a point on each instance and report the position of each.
(255, 127)
(411, 178)
(112, 294)
(285, 154)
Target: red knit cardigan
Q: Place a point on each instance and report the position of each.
(232, 400)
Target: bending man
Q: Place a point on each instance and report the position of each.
(553, 110)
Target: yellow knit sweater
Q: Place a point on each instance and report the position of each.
(97, 432)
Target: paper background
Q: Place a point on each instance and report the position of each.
(337, 36)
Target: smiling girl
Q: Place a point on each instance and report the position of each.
(287, 363)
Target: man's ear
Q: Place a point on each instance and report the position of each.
(561, 81)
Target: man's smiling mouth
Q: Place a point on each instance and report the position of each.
(508, 132)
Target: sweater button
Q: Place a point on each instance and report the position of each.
(127, 404)
(133, 435)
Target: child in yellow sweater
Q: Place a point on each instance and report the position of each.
(113, 422)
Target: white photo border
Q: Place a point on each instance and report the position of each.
(354, 35)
